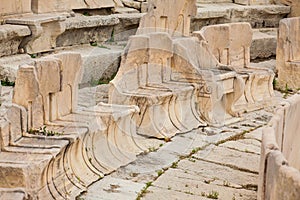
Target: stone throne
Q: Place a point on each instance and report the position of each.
(173, 78)
(230, 44)
(64, 148)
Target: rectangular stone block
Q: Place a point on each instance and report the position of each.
(47, 6)
(288, 53)
(10, 7)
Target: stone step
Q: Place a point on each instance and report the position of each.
(259, 16)
(99, 62)
(102, 61)
(12, 194)
(264, 43)
(11, 37)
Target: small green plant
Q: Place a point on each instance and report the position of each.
(103, 47)
(169, 188)
(43, 131)
(143, 191)
(33, 55)
(213, 195)
(6, 82)
(152, 149)
(161, 145)
(192, 160)
(195, 150)
(93, 43)
(174, 165)
(160, 172)
(86, 13)
(203, 194)
(112, 36)
(148, 184)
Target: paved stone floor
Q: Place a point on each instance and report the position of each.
(211, 163)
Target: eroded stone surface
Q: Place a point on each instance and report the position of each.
(43, 6)
(223, 42)
(288, 55)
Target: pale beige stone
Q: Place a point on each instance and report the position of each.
(175, 21)
(44, 31)
(234, 51)
(71, 74)
(295, 7)
(288, 54)
(27, 94)
(11, 37)
(252, 2)
(46, 6)
(279, 165)
(8, 7)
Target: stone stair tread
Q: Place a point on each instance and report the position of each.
(36, 19)
(221, 9)
(46, 143)
(16, 149)
(12, 194)
(17, 158)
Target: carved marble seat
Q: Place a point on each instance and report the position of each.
(230, 43)
(144, 79)
(85, 144)
(217, 89)
(288, 53)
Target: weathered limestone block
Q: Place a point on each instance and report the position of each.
(8, 7)
(295, 7)
(288, 53)
(45, 99)
(264, 44)
(9, 66)
(71, 73)
(44, 31)
(84, 30)
(234, 51)
(252, 2)
(132, 4)
(46, 6)
(27, 95)
(98, 63)
(127, 27)
(175, 21)
(259, 16)
(279, 167)
(11, 37)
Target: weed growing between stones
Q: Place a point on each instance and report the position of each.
(143, 191)
(6, 82)
(43, 131)
(174, 165)
(213, 195)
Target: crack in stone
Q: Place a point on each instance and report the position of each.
(228, 165)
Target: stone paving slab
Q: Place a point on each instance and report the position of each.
(166, 194)
(205, 171)
(243, 146)
(192, 165)
(171, 181)
(236, 159)
(113, 188)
